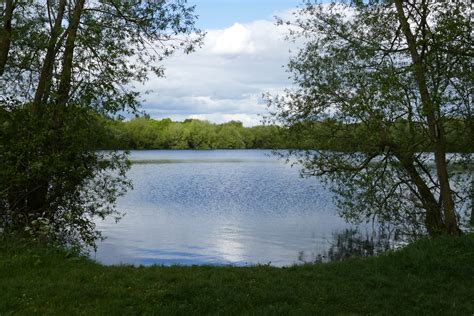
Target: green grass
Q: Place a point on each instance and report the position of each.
(429, 277)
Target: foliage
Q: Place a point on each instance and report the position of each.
(57, 165)
(392, 80)
(146, 133)
(117, 44)
(430, 276)
(61, 63)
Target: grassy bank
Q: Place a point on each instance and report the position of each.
(430, 277)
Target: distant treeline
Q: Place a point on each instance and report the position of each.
(146, 133)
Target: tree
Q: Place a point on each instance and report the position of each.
(202, 134)
(61, 63)
(389, 75)
(229, 136)
(6, 33)
(106, 46)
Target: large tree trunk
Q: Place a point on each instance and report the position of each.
(48, 63)
(66, 73)
(433, 219)
(435, 126)
(37, 191)
(470, 122)
(472, 200)
(6, 34)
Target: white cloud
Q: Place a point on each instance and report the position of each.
(234, 40)
(225, 79)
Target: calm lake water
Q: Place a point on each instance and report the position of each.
(238, 207)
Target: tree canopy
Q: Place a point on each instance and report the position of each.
(392, 77)
(146, 133)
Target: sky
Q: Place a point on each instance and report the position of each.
(243, 56)
(219, 14)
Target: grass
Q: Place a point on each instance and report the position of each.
(429, 277)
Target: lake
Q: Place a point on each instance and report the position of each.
(220, 207)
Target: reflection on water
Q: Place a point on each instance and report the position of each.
(219, 207)
(351, 242)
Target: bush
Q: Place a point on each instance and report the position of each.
(52, 182)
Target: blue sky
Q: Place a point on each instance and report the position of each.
(243, 57)
(224, 13)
